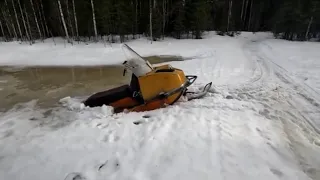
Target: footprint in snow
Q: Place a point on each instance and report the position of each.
(146, 116)
(276, 172)
(109, 166)
(6, 134)
(141, 121)
(75, 176)
(110, 138)
(265, 113)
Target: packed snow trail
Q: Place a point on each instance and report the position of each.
(246, 128)
(300, 109)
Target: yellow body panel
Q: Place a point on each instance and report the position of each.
(156, 82)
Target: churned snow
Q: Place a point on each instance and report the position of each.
(247, 127)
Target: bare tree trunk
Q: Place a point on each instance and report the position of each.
(69, 20)
(28, 23)
(41, 21)
(140, 12)
(63, 21)
(94, 21)
(163, 18)
(44, 19)
(150, 18)
(23, 20)
(10, 21)
(36, 19)
(4, 36)
(75, 19)
(245, 13)
(136, 28)
(250, 15)
(308, 29)
(133, 24)
(15, 13)
(229, 14)
(7, 24)
(242, 9)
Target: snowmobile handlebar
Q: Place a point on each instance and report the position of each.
(191, 79)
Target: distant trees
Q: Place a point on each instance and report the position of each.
(27, 20)
(298, 20)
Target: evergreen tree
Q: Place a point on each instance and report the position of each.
(179, 19)
(27, 20)
(199, 18)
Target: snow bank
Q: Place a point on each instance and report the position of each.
(48, 54)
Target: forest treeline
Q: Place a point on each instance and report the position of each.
(28, 20)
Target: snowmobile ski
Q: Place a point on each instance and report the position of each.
(198, 95)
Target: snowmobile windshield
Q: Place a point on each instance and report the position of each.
(135, 63)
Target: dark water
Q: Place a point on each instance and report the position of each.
(49, 84)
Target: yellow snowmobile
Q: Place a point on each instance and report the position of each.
(150, 87)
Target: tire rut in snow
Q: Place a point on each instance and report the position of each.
(261, 70)
(277, 107)
(260, 80)
(296, 118)
(296, 92)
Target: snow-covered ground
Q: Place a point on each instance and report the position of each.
(299, 60)
(261, 119)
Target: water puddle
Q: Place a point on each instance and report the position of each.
(49, 84)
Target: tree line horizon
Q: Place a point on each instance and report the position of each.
(76, 20)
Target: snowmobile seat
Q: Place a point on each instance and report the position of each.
(109, 96)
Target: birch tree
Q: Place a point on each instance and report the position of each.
(28, 23)
(41, 21)
(44, 18)
(313, 10)
(6, 22)
(36, 19)
(75, 19)
(245, 13)
(63, 21)
(308, 29)
(23, 20)
(250, 15)
(2, 30)
(242, 9)
(69, 20)
(229, 14)
(150, 17)
(9, 18)
(94, 21)
(163, 18)
(15, 13)
(136, 17)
